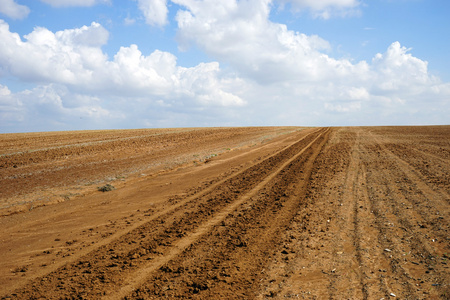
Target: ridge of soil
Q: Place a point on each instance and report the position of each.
(227, 213)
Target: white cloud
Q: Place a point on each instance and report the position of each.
(398, 70)
(65, 56)
(50, 107)
(10, 108)
(4, 91)
(155, 11)
(90, 36)
(290, 74)
(345, 108)
(241, 34)
(65, 3)
(13, 10)
(273, 76)
(326, 8)
(73, 76)
(129, 21)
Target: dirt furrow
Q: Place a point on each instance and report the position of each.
(355, 196)
(234, 252)
(356, 239)
(358, 260)
(443, 160)
(325, 252)
(104, 268)
(374, 259)
(423, 179)
(55, 254)
(346, 238)
(85, 165)
(429, 205)
(340, 213)
(403, 243)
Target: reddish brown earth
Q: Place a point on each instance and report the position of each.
(226, 213)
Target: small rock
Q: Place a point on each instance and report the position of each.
(388, 250)
(392, 295)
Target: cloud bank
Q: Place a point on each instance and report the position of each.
(262, 73)
(75, 77)
(13, 10)
(292, 64)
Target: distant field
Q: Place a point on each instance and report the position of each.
(226, 213)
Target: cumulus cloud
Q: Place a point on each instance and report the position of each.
(65, 56)
(74, 57)
(65, 3)
(49, 107)
(10, 110)
(55, 106)
(273, 76)
(13, 10)
(4, 91)
(242, 34)
(155, 11)
(292, 71)
(69, 67)
(397, 69)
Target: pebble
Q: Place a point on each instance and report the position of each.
(392, 295)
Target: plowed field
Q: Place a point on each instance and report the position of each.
(226, 213)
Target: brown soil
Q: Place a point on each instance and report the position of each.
(226, 213)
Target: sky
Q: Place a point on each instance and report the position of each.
(110, 64)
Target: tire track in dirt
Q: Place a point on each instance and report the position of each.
(309, 266)
(99, 270)
(334, 254)
(177, 203)
(227, 262)
(356, 238)
(141, 275)
(352, 237)
(114, 230)
(361, 214)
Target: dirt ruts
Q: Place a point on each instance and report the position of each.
(376, 225)
(318, 213)
(103, 269)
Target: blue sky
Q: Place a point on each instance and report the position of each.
(104, 64)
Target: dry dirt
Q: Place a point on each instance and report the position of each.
(226, 213)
